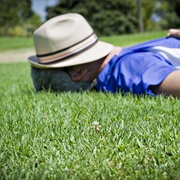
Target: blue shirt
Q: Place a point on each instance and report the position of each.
(137, 67)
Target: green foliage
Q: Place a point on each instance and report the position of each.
(17, 17)
(169, 14)
(116, 17)
(52, 136)
(17, 31)
(32, 24)
(106, 17)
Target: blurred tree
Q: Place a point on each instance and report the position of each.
(108, 17)
(169, 13)
(121, 16)
(15, 14)
(140, 21)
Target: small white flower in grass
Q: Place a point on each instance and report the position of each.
(96, 126)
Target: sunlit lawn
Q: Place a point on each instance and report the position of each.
(51, 136)
(11, 43)
(8, 43)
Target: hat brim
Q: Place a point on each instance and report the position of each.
(98, 51)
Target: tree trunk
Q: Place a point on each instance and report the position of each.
(140, 21)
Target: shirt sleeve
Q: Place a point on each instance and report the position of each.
(135, 72)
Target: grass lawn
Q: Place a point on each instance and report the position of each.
(11, 43)
(128, 40)
(84, 135)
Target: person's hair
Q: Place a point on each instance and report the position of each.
(56, 80)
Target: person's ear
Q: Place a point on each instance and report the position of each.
(79, 74)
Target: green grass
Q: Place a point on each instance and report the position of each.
(51, 136)
(127, 40)
(9, 43)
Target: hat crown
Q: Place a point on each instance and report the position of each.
(67, 40)
(60, 33)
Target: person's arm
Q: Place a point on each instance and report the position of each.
(174, 33)
(170, 86)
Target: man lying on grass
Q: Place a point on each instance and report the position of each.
(71, 58)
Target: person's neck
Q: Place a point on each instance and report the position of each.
(116, 50)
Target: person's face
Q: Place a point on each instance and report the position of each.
(86, 72)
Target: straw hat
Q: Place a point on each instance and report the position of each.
(67, 40)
